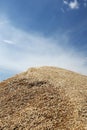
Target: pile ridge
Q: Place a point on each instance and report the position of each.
(45, 98)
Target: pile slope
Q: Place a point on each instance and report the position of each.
(46, 98)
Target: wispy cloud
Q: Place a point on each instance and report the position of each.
(85, 3)
(8, 42)
(65, 2)
(20, 50)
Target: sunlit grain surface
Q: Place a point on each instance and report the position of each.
(45, 98)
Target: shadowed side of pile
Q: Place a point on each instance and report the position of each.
(42, 99)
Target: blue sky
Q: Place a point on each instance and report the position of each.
(43, 32)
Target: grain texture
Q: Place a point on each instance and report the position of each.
(46, 98)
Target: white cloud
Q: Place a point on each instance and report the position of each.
(72, 4)
(20, 50)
